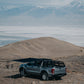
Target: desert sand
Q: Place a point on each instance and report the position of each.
(44, 47)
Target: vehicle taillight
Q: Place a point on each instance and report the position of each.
(52, 71)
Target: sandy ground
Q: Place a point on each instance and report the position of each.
(72, 55)
(75, 73)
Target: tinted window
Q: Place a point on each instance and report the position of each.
(53, 63)
(44, 64)
(48, 64)
(37, 63)
(31, 63)
(59, 64)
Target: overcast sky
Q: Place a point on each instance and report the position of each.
(41, 16)
(53, 3)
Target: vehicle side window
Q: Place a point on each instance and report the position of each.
(48, 64)
(44, 64)
(37, 63)
(31, 63)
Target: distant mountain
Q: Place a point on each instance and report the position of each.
(44, 47)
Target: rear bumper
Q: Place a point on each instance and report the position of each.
(58, 75)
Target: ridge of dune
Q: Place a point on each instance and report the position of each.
(39, 47)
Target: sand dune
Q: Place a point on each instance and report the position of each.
(40, 47)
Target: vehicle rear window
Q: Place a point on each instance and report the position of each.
(59, 64)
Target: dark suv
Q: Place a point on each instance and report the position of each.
(45, 68)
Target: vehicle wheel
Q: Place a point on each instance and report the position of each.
(44, 76)
(22, 73)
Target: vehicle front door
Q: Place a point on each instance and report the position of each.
(29, 67)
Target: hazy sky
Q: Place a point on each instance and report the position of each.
(53, 3)
(41, 12)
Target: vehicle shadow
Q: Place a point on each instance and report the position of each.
(18, 76)
(29, 76)
(13, 76)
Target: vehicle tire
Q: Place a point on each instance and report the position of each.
(44, 76)
(22, 72)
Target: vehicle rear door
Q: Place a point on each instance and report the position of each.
(37, 66)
